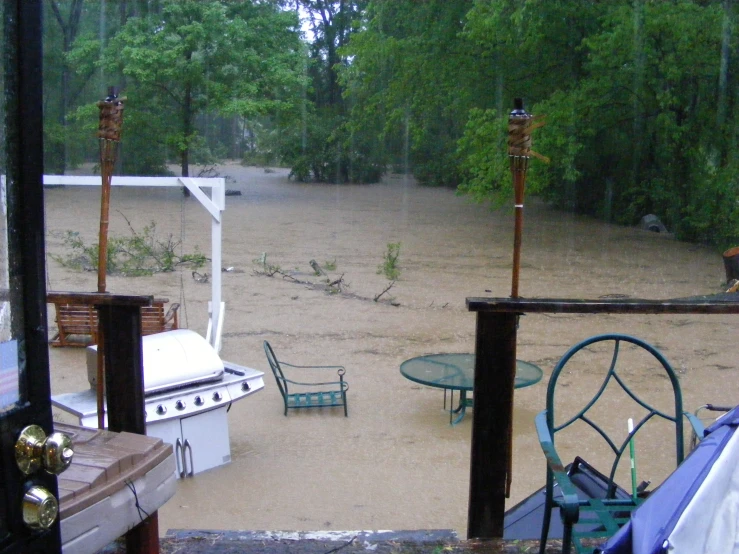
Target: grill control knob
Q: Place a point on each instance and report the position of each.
(180, 405)
(199, 401)
(40, 508)
(217, 396)
(161, 409)
(244, 386)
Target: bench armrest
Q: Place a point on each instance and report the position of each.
(340, 370)
(342, 384)
(170, 318)
(696, 424)
(338, 367)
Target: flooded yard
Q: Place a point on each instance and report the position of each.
(395, 462)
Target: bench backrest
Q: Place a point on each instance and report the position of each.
(276, 369)
(82, 319)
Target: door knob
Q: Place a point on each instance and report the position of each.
(40, 508)
(34, 450)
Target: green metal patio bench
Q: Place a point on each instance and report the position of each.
(304, 394)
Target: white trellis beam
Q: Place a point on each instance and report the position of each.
(215, 204)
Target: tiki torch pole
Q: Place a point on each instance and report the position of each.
(519, 149)
(109, 135)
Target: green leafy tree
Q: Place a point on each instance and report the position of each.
(414, 78)
(75, 35)
(71, 49)
(233, 58)
(639, 118)
(535, 51)
(639, 134)
(323, 144)
(485, 170)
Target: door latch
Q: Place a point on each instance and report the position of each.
(34, 450)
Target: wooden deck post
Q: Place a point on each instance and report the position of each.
(124, 384)
(124, 375)
(495, 369)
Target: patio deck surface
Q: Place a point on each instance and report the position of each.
(441, 541)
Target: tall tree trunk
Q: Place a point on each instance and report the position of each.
(639, 62)
(722, 100)
(186, 131)
(186, 126)
(69, 28)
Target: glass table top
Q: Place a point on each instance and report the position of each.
(457, 371)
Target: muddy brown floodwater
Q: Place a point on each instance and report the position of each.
(395, 462)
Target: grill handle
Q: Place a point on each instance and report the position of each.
(179, 454)
(188, 447)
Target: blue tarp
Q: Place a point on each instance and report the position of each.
(653, 522)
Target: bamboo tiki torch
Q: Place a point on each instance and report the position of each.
(109, 135)
(519, 150)
(520, 126)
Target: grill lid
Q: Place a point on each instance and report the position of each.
(173, 359)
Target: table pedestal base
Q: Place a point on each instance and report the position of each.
(460, 410)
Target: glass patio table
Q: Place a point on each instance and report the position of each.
(457, 372)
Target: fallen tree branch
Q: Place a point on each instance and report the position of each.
(327, 284)
(383, 292)
(336, 284)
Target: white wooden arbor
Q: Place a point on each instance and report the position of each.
(215, 204)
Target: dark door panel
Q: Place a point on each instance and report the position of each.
(27, 498)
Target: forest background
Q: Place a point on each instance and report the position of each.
(640, 96)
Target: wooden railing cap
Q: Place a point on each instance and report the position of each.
(724, 303)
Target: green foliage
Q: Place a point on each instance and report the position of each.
(195, 58)
(71, 49)
(485, 171)
(266, 268)
(413, 78)
(327, 150)
(320, 143)
(637, 118)
(262, 148)
(141, 253)
(631, 138)
(389, 266)
(193, 73)
(711, 213)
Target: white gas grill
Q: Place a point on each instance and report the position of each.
(188, 391)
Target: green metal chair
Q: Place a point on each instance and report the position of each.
(332, 393)
(587, 518)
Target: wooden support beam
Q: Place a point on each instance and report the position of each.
(124, 375)
(124, 383)
(495, 370)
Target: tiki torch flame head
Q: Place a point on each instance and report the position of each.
(519, 134)
(111, 116)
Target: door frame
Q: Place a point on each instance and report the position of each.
(26, 264)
